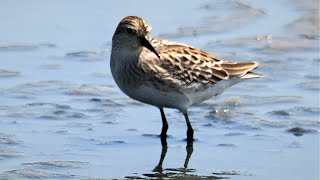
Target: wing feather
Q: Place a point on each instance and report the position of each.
(186, 65)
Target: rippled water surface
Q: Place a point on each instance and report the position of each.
(62, 116)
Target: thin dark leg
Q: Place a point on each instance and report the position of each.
(190, 130)
(164, 128)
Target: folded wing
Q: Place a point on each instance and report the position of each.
(186, 65)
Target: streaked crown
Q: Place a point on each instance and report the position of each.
(136, 23)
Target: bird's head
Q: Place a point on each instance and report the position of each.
(132, 34)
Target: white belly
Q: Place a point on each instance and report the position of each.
(214, 90)
(156, 97)
(174, 99)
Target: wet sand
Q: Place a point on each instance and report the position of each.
(62, 116)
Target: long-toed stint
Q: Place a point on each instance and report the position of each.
(167, 74)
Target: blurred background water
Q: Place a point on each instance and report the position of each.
(62, 116)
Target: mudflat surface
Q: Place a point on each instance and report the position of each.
(62, 116)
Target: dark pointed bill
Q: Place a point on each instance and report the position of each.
(145, 43)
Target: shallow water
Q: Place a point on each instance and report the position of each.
(62, 116)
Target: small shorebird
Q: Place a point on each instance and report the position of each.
(167, 74)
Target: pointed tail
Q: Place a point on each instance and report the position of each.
(241, 69)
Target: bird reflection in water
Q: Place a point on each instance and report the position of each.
(180, 173)
(172, 172)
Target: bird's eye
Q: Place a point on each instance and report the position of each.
(129, 31)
